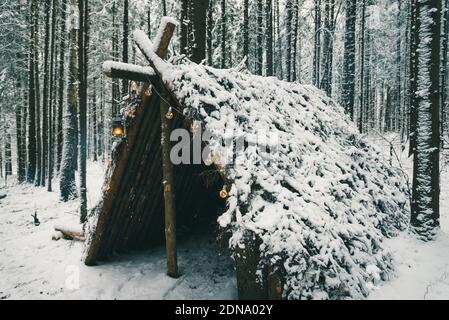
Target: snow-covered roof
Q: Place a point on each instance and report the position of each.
(321, 204)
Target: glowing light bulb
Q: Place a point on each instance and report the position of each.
(169, 114)
(223, 193)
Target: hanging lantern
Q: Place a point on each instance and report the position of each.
(134, 87)
(169, 114)
(117, 127)
(148, 91)
(223, 193)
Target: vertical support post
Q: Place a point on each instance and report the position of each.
(169, 197)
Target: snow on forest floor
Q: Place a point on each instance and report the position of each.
(32, 266)
(422, 269)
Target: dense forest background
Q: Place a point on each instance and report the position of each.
(382, 60)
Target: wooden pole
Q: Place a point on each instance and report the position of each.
(169, 196)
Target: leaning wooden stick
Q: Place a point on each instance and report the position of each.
(71, 232)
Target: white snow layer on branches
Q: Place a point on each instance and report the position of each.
(323, 204)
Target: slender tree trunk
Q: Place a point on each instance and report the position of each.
(37, 181)
(444, 73)
(164, 7)
(199, 30)
(67, 181)
(279, 41)
(83, 72)
(61, 81)
(269, 33)
(317, 44)
(21, 155)
(115, 56)
(32, 138)
(210, 27)
(349, 59)
(223, 34)
(259, 38)
(288, 31)
(125, 42)
(398, 111)
(45, 95)
(295, 18)
(414, 40)
(184, 25)
(246, 31)
(362, 105)
(95, 134)
(328, 47)
(101, 135)
(51, 98)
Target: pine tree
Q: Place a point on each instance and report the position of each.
(67, 181)
(82, 74)
(209, 36)
(223, 34)
(31, 171)
(269, 33)
(61, 82)
(51, 118)
(328, 46)
(38, 177)
(288, 39)
(125, 42)
(317, 44)
(426, 188)
(199, 30)
(348, 86)
(246, 30)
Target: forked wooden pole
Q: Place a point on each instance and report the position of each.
(169, 196)
(165, 34)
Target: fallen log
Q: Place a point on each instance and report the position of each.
(3, 196)
(69, 232)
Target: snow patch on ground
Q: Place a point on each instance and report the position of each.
(422, 269)
(32, 266)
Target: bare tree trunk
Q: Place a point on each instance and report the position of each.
(223, 34)
(246, 31)
(349, 59)
(426, 188)
(199, 30)
(31, 175)
(269, 33)
(362, 105)
(317, 44)
(125, 42)
(45, 95)
(210, 27)
(61, 82)
(67, 181)
(288, 31)
(38, 177)
(51, 98)
(83, 70)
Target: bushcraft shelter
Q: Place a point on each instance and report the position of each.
(304, 214)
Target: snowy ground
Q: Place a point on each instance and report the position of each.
(32, 266)
(422, 268)
(35, 267)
